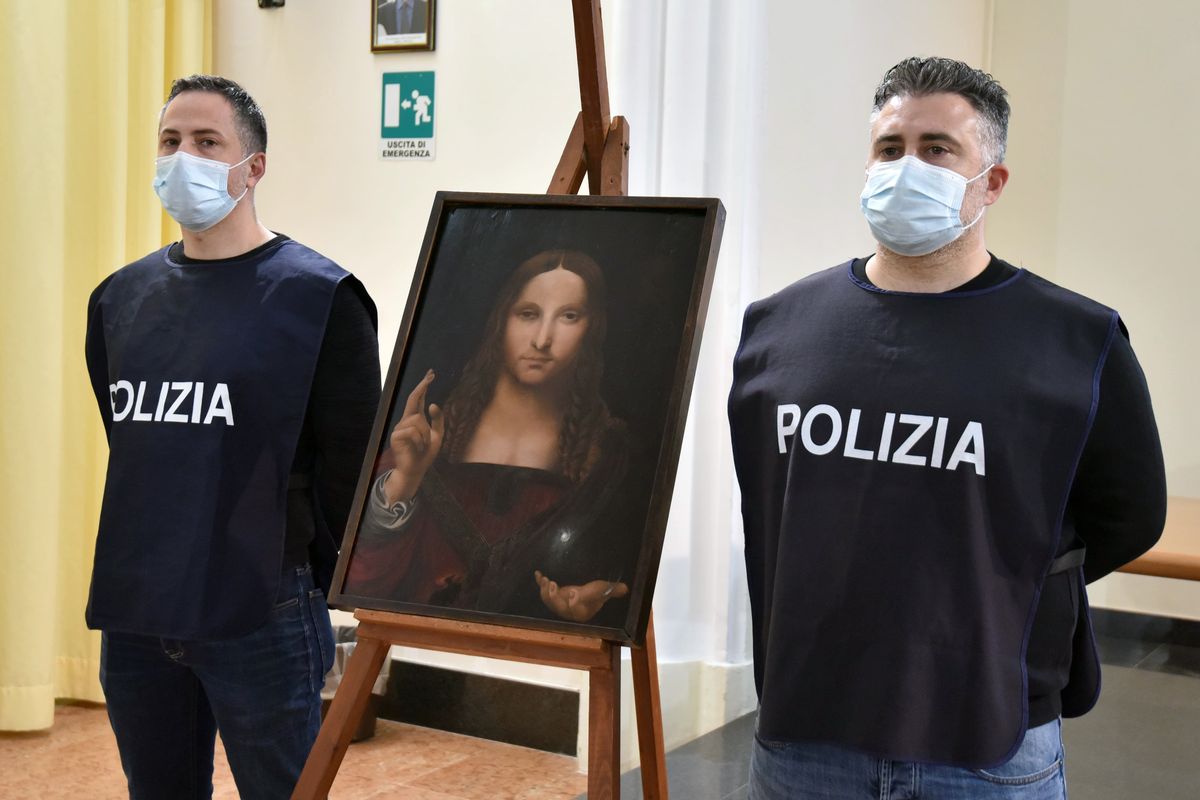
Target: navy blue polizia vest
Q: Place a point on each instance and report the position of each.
(905, 461)
(209, 372)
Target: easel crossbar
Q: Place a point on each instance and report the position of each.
(492, 641)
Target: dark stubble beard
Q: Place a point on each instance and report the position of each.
(972, 206)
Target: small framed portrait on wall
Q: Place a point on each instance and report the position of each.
(525, 451)
(402, 25)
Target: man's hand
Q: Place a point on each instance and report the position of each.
(578, 603)
(415, 441)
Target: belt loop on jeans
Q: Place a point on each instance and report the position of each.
(305, 581)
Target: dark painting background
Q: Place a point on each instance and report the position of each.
(649, 262)
(650, 259)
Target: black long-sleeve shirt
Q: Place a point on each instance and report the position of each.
(337, 423)
(1116, 508)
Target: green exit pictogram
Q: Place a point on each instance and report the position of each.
(408, 105)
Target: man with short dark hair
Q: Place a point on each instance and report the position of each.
(926, 440)
(237, 374)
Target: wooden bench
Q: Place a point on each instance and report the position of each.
(1177, 554)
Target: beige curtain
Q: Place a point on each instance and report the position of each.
(81, 85)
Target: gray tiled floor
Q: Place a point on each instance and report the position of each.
(1139, 743)
(713, 767)
(1176, 659)
(1123, 652)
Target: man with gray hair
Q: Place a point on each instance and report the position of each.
(926, 439)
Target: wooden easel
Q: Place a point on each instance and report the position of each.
(599, 147)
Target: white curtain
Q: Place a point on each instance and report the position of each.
(686, 74)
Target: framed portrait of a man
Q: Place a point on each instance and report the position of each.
(524, 454)
(402, 25)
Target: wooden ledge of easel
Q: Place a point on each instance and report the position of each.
(378, 630)
(492, 641)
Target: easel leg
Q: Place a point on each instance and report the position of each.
(344, 712)
(572, 166)
(648, 709)
(604, 728)
(593, 85)
(615, 164)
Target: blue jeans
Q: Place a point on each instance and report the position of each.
(167, 699)
(803, 771)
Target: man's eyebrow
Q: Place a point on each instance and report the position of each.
(934, 136)
(938, 136)
(197, 132)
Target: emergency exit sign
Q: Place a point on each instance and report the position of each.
(408, 111)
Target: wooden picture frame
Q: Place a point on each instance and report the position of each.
(585, 506)
(398, 25)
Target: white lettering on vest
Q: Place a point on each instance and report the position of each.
(788, 428)
(923, 424)
(851, 450)
(939, 443)
(912, 450)
(138, 414)
(972, 436)
(834, 435)
(220, 405)
(885, 441)
(197, 399)
(162, 401)
(113, 389)
(184, 388)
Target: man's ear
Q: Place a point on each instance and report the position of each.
(258, 168)
(997, 179)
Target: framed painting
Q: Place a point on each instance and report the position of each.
(524, 454)
(402, 25)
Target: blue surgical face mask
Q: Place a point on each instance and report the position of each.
(194, 190)
(913, 207)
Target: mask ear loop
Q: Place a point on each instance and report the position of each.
(247, 187)
(985, 172)
(978, 216)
